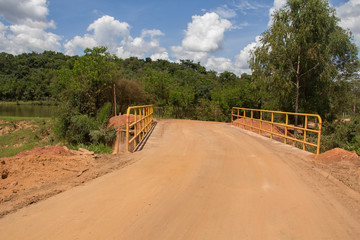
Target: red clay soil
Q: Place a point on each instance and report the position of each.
(120, 121)
(45, 171)
(338, 155)
(115, 121)
(199, 180)
(341, 164)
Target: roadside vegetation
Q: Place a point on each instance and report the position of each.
(305, 63)
(22, 134)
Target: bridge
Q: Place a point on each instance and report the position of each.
(199, 180)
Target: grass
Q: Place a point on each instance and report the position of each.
(18, 134)
(22, 135)
(7, 118)
(46, 103)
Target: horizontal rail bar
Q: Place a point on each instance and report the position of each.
(286, 126)
(143, 119)
(281, 124)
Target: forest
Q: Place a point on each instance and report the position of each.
(305, 63)
(180, 90)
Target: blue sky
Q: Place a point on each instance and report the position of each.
(218, 34)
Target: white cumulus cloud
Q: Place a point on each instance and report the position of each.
(17, 11)
(277, 5)
(139, 47)
(204, 35)
(242, 59)
(28, 27)
(115, 35)
(225, 11)
(219, 64)
(241, 64)
(349, 13)
(106, 31)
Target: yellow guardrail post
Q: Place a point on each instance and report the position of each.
(261, 115)
(143, 119)
(252, 115)
(286, 123)
(244, 118)
(273, 125)
(232, 114)
(305, 126)
(320, 125)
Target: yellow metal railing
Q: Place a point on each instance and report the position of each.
(276, 123)
(139, 125)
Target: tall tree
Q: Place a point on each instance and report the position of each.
(89, 83)
(303, 54)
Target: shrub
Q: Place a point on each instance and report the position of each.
(342, 134)
(75, 128)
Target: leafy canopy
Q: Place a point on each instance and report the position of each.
(302, 57)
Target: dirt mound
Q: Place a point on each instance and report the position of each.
(47, 150)
(44, 171)
(117, 121)
(338, 155)
(341, 164)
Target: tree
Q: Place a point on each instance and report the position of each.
(87, 88)
(302, 55)
(89, 83)
(355, 90)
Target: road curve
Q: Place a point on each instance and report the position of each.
(198, 180)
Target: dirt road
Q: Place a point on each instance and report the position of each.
(199, 180)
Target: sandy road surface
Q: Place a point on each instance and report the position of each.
(198, 180)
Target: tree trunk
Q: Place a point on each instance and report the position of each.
(297, 99)
(297, 88)
(354, 107)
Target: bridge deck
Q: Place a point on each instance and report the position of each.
(198, 180)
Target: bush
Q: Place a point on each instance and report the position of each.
(103, 135)
(80, 128)
(342, 134)
(75, 128)
(104, 114)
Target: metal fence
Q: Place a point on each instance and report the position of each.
(139, 126)
(281, 125)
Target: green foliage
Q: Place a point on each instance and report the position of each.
(85, 106)
(80, 127)
(104, 114)
(302, 59)
(84, 85)
(77, 128)
(342, 134)
(29, 76)
(129, 92)
(103, 135)
(88, 85)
